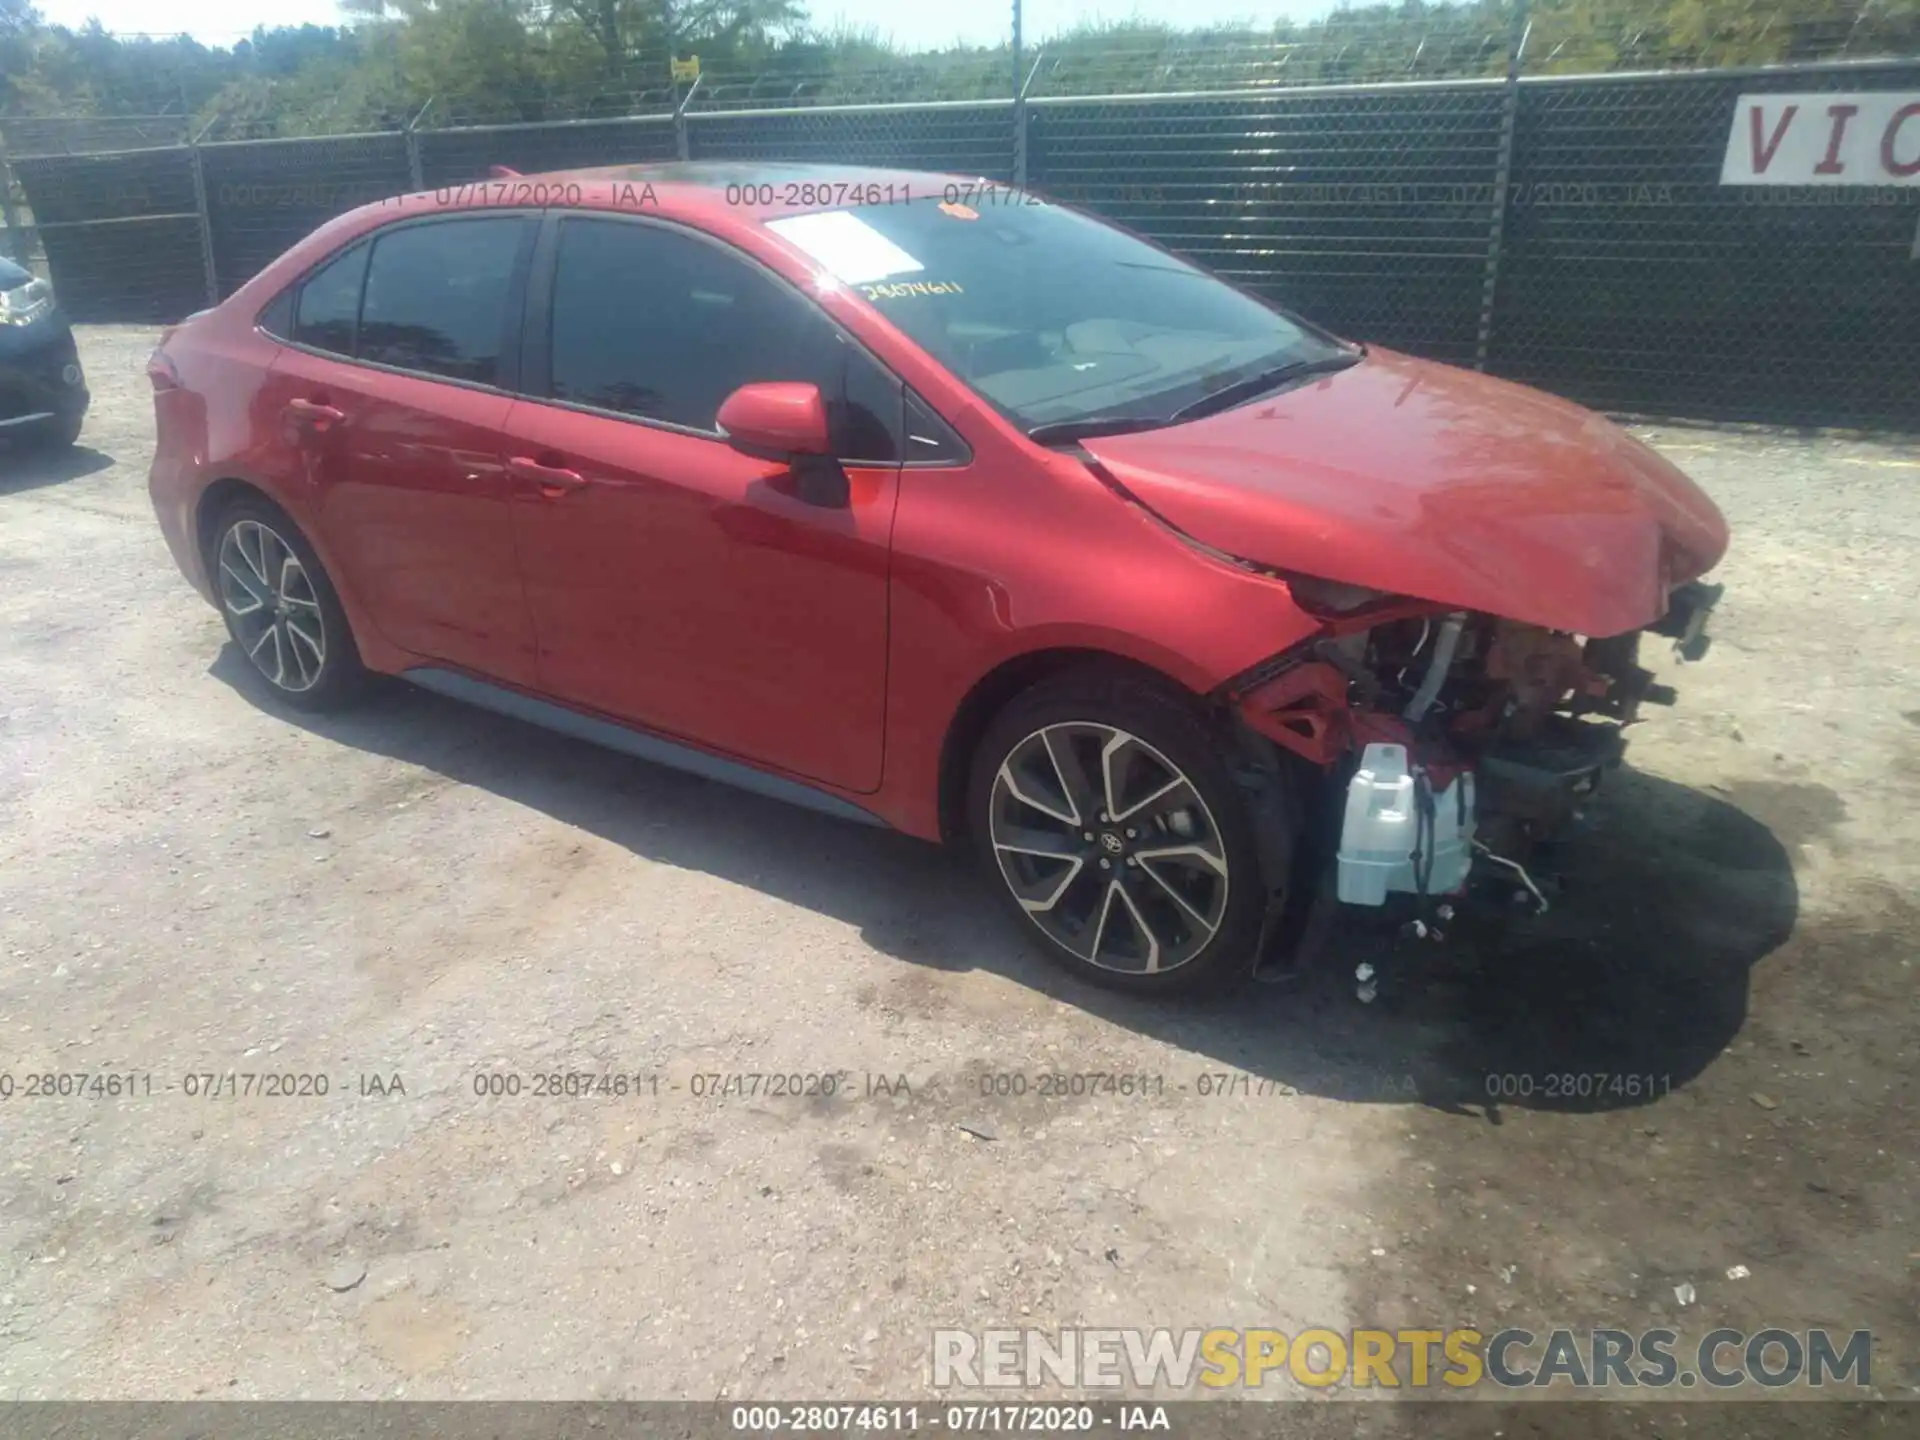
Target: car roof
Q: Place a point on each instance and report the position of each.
(757, 190)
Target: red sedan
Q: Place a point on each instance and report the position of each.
(940, 506)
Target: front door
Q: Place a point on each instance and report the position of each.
(673, 580)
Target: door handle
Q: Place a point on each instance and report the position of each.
(554, 480)
(314, 413)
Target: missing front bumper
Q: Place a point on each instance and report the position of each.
(1401, 834)
(1407, 830)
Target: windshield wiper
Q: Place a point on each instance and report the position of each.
(1229, 395)
(1061, 432)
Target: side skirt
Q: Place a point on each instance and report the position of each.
(639, 743)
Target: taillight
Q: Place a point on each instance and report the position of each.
(162, 372)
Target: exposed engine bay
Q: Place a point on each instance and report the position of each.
(1454, 739)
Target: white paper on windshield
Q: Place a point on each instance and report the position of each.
(851, 249)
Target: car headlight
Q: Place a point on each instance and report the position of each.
(26, 303)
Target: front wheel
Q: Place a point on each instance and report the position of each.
(62, 433)
(1108, 819)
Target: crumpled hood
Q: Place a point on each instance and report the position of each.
(1424, 480)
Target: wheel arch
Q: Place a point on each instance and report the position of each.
(222, 494)
(992, 692)
(215, 501)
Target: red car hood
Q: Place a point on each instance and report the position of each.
(1423, 480)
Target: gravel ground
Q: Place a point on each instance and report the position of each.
(418, 893)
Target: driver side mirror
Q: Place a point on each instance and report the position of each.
(777, 419)
(787, 420)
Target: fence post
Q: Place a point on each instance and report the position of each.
(9, 213)
(206, 217)
(1020, 113)
(416, 173)
(682, 142)
(1019, 107)
(1502, 173)
(1019, 143)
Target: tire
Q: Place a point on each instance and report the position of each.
(282, 610)
(1181, 890)
(59, 434)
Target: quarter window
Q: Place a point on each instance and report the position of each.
(864, 411)
(277, 318)
(930, 440)
(329, 302)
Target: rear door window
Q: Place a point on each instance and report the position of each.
(437, 296)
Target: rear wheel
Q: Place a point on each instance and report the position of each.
(281, 609)
(1106, 814)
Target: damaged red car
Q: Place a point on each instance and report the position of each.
(933, 504)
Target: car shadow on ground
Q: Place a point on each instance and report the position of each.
(1638, 974)
(24, 466)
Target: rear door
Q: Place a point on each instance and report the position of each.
(675, 581)
(395, 389)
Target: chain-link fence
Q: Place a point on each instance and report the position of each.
(959, 137)
(122, 233)
(448, 157)
(1570, 231)
(1366, 209)
(263, 196)
(1633, 279)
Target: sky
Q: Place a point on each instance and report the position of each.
(912, 24)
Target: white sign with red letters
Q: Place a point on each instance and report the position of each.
(1871, 138)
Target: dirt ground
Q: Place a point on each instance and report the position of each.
(421, 894)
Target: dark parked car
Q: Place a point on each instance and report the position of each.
(43, 393)
(940, 506)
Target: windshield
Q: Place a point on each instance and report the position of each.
(1051, 316)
